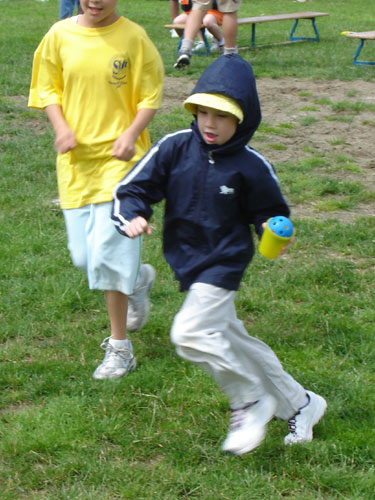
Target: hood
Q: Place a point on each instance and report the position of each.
(232, 76)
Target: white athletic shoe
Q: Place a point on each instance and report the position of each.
(116, 362)
(199, 46)
(302, 423)
(248, 425)
(174, 33)
(138, 302)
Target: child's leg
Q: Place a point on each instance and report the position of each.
(210, 23)
(200, 333)
(207, 331)
(112, 263)
(290, 395)
(230, 32)
(119, 359)
(117, 306)
(181, 19)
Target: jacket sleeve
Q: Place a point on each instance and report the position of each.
(263, 198)
(141, 188)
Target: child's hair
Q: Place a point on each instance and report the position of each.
(220, 102)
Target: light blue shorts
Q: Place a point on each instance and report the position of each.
(111, 261)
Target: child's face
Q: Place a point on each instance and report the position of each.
(216, 127)
(98, 13)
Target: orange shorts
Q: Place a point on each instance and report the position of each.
(217, 14)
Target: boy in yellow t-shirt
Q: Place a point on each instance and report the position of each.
(99, 78)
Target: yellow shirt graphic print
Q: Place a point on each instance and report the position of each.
(118, 65)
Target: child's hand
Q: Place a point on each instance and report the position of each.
(65, 140)
(292, 239)
(284, 249)
(124, 146)
(136, 227)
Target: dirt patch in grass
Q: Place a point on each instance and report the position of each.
(326, 118)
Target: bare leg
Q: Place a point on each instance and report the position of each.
(193, 24)
(210, 23)
(230, 29)
(117, 307)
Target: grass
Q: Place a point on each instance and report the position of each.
(156, 434)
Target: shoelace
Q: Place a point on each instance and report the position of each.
(292, 424)
(110, 350)
(237, 415)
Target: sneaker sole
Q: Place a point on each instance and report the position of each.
(182, 64)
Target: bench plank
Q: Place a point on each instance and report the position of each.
(280, 17)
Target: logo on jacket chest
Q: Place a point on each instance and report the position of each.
(119, 66)
(226, 190)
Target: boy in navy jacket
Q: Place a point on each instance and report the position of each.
(215, 187)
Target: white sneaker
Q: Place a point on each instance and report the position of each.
(138, 302)
(199, 46)
(174, 33)
(215, 47)
(248, 425)
(116, 362)
(302, 423)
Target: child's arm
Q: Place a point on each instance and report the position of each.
(64, 136)
(136, 227)
(124, 146)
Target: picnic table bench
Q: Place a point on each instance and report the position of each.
(296, 17)
(362, 36)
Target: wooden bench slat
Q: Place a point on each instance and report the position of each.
(280, 17)
(365, 35)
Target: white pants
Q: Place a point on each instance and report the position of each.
(207, 332)
(110, 260)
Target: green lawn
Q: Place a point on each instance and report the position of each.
(156, 434)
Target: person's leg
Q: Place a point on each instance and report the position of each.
(302, 408)
(229, 10)
(209, 21)
(76, 220)
(206, 331)
(201, 335)
(192, 27)
(112, 263)
(230, 31)
(117, 306)
(193, 24)
(181, 19)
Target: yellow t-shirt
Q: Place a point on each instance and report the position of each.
(101, 77)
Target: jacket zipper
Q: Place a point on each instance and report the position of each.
(211, 161)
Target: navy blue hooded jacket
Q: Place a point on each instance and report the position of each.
(212, 193)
